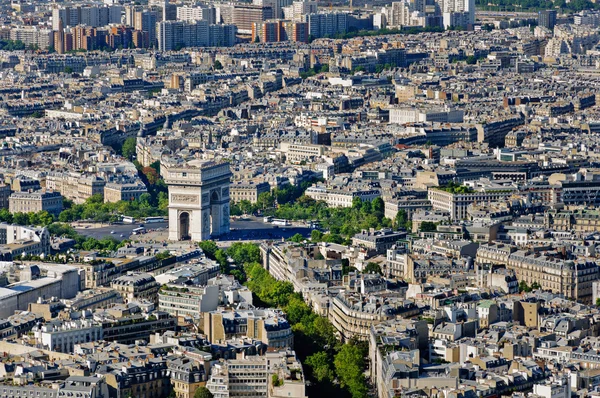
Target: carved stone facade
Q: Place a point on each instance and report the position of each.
(198, 201)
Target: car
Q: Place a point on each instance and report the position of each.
(121, 236)
(112, 232)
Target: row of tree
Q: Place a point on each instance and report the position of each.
(333, 368)
(106, 244)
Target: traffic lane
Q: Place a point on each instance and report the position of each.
(240, 230)
(119, 229)
(264, 231)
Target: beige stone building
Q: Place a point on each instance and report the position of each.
(76, 188)
(571, 277)
(114, 192)
(137, 286)
(268, 326)
(250, 191)
(33, 202)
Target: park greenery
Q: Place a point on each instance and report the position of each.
(238, 252)
(524, 287)
(332, 367)
(107, 244)
(15, 45)
(341, 222)
(352, 33)
(455, 188)
(95, 209)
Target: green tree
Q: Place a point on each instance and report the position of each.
(209, 248)
(349, 365)
(244, 253)
(298, 238)
(377, 205)
(373, 268)
(319, 365)
(324, 68)
(523, 287)
(246, 206)
(598, 302)
(203, 392)
(20, 218)
(128, 149)
(221, 258)
(68, 70)
(297, 310)
(428, 226)
(402, 220)
(471, 60)
(218, 65)
(316, 235)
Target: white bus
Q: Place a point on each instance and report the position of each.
(279, 221)
(127, 219)
(139, 231)
(149, 220)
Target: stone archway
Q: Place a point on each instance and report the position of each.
(198, 201)
(215, 214)
(184, 225)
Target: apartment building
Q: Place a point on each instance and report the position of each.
(33, 202)
(353, 314)
(126, 191)
(327, 24)
(76, 188)
(187, 375)
(61, 336)
(554, 271)
(457, 204)
(296, 153)
(583, 220)
(276, 374)
(192, 301)
(341, 198)
(268, 326)
(249, 191)
(133, 287)
(378, 241)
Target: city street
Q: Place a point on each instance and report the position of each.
(248, 229)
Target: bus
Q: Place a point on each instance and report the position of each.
(267, 219)
(149, 220)
(127, 219)
(139, 231)
(279, 221)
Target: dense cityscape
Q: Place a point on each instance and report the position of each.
(298, 198)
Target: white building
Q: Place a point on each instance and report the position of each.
(553, 389)
(62, 336)
(415, 115)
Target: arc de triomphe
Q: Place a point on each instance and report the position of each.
(198, 200)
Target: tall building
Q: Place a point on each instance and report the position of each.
(327, 25)
(173, 35)
(169, 11)
(145, 21)
(295, 31)
(547, 19)
(458, 6)
(201, 13)
(302, 8)
(93, 16)
(244, 15)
